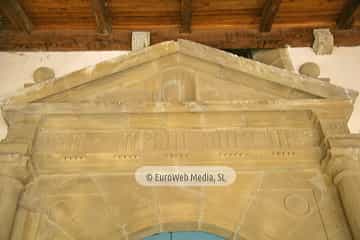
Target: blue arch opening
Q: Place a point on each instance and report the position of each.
(184, 236)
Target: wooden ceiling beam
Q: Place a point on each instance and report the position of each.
(268, 15)
(346, 17)
(102, 16)
(1, 22)
(121, 40)
(17, 16)
(185, 16)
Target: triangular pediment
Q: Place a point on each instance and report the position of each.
(181, 71)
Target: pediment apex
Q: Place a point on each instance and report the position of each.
(283, 77)
(181, 47)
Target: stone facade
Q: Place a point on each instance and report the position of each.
(67, 165)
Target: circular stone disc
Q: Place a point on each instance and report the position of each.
(296, 205)
(42, 74)
(310, 69)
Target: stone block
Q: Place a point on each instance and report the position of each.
(324, 41)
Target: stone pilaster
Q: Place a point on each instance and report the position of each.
(12, 175)
(343, 165)
(10, 189)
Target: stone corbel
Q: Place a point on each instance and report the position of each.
(342, 164)
(323, 41)
(13, 174)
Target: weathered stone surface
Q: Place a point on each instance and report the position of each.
(325, 79)
(151, 65)
(77, 141)
(310, 69)
(140, 40)
(324, 41)
(10, 190)
(42, 74)
(276, 57)
(343, 166)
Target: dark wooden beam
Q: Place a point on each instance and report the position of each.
(346, 17)
(102, 16)
(268, 15)
(121, 40)
(64, 41)
(15, 13)
(1, 23)
(185, 16)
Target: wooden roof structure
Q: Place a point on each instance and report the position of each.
(108, 24)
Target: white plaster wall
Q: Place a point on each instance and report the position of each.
(16, 68)
(343, 67)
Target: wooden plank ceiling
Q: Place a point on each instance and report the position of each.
(107, 24)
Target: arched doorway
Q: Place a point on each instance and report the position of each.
(184, 236)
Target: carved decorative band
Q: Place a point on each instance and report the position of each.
(132, 141)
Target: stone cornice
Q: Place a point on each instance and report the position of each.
(196, 106)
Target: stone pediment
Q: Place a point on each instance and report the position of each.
(181, 71)
(73, 147)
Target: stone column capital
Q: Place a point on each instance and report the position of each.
(343, 157)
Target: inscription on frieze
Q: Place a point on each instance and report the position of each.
(176, 140)
(123, 142)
